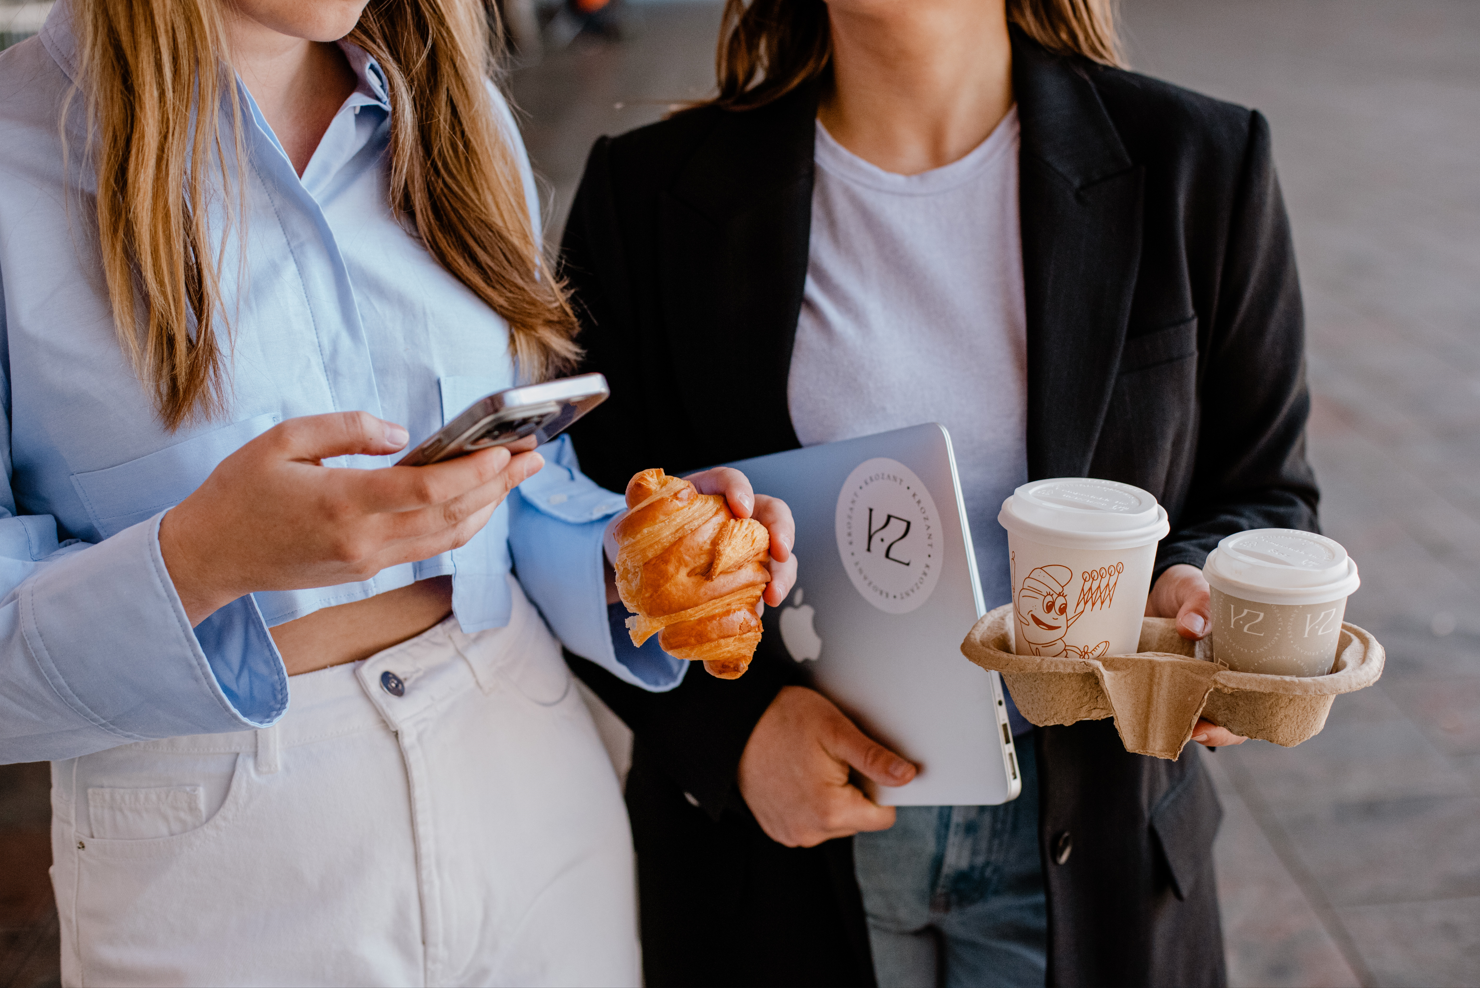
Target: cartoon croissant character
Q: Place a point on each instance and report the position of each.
(1043, 617)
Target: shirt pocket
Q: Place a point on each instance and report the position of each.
(123, 495)
(461, 390)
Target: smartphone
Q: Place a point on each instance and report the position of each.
(540, 410)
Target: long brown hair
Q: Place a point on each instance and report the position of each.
(146, 64)
(767, 48)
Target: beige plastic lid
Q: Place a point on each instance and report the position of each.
(1282, 566)
(1084, 513)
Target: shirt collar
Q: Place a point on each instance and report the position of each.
(373, 89)
(59, 40)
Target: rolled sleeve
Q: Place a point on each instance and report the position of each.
(556, 523)
(118, 660)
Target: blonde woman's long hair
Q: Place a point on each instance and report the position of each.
(163, 169)
(767, 48)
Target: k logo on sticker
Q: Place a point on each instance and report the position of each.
(888, 535)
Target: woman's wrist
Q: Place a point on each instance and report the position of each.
(198, 587)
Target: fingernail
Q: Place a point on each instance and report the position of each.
(536, 464)
(1200, 738)
(747, 502)
(900, 771)
(396, 435)
(1194, 623)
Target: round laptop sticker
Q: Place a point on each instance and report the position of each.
(889, 535)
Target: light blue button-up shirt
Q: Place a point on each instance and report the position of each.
(334, 307)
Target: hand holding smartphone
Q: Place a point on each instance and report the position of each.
(505, 417)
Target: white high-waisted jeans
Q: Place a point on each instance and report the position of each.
(441, 813)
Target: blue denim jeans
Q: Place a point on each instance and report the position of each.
(954, 894)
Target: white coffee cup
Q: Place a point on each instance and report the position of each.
(1278, 599)
(1082, 552)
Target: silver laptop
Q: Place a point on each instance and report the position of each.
(887, 588)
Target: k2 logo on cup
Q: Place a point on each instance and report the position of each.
(888, 535)
(1322, 621)
(1043, 611)
(1245, 619)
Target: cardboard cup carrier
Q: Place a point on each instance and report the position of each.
(1074, 644)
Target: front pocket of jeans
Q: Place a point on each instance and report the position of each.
(154, 838)
(142, 814)
(146, 906)
(535, 667)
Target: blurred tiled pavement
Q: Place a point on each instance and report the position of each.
(1354, 858)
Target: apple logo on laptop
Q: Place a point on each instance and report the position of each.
(797, 634)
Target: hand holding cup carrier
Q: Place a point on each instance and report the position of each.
(1082, 552)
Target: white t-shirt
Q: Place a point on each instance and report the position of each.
(913, 312)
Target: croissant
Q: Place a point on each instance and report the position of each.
(691, 572)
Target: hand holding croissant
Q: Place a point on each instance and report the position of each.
(691, 572)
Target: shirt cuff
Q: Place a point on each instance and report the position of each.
(108, 631)
(658, 671)
(556, 522)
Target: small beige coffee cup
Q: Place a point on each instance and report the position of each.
(1082, 553)
(1278, 598)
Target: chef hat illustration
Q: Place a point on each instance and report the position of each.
(1047, 581)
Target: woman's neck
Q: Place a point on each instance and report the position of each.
(917, 84)
(298, 83)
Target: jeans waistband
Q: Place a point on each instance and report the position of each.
(358, 696)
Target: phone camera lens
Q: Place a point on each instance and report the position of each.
(516, 428)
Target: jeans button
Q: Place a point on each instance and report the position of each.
(1063, 846)
(392, 684)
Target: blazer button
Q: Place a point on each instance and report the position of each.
(1063, 846)
(392, 684)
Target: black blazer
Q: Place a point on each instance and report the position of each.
(1165, 349)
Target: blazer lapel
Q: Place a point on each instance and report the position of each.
(734, 230)
(1080, 204)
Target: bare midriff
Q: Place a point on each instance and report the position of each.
(359, 629)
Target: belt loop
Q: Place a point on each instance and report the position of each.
(268, 761)
(466, 646)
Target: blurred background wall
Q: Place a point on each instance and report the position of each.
(1353, 859)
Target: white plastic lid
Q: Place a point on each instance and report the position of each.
(1084, 513)
(1282, 566)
